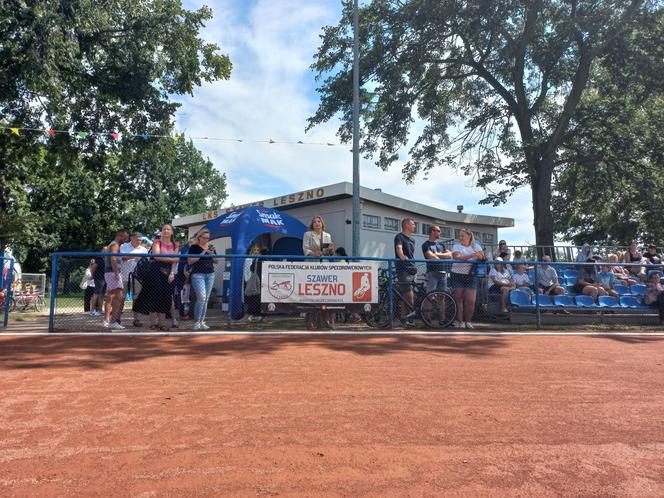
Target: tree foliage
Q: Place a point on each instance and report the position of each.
(608, 187)
(493, 85)
(98, 67)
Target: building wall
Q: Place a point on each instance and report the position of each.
(374, 242)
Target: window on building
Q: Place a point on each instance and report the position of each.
(370, 221)
(457, 231)
(425, 228)
(487, 238)
(391, 224)
(446, 232)
(417, 227)
(478, 236)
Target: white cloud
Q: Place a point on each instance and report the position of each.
(271, 44)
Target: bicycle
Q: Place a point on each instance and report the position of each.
(24, 301)
(437, 309)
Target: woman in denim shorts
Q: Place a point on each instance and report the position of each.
(463, 277)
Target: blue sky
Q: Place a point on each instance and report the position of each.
(271, 93)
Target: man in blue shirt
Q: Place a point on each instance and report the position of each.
(433, 249)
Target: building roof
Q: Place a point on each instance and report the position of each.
(345, 190)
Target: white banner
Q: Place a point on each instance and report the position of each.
(320, 283)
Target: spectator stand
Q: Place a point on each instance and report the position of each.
(570, 308)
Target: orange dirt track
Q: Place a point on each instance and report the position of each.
(332, 415)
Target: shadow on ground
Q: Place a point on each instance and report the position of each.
(100, 352)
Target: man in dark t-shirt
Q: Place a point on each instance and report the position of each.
(432, 249)
(404, 250)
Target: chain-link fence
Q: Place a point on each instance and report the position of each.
(167, 292)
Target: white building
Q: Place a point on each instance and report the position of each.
(381, 218)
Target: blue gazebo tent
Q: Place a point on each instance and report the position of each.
(243, 226)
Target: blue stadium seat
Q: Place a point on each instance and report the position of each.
(546, 301)
(623, 290)
(565, 301)
(570, 274)
(585, 302)
(638, 290)
(629, 302)
(520, 299)
(608, 302)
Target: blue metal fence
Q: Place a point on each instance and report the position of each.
(487, 309)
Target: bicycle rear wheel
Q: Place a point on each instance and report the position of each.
(438, 310)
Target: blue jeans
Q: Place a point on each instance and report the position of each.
(202, 284)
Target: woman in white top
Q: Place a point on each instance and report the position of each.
(464, 280)
(501, 283)
(317, 242)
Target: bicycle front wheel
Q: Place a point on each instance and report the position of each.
(438, 310)
(39, 304)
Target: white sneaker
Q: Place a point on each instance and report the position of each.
(175, 324)
(197, 326)
(469, 325)
(116, 326)
(460, 325)
(92, 313)
(205, 326)
(105, 324)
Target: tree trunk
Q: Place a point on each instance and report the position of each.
(542, 217)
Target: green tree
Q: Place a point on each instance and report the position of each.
(97, 68)
(495, 84)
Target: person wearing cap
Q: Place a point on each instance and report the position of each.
(501, 282)
(129, 263)
(653, 257)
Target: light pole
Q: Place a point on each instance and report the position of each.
(356, 131)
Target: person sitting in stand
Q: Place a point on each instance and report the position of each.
(654, 295)
(522, 279)
(632, 255)
(606, 278)
(585, 253)
(586, 281)
(501, 283)
(547, 278)
(619, 272)
(504, 252)
(652, 256)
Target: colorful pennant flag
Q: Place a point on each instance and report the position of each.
(51, 132)
(115, 135)
(82, 134)
(15, 131)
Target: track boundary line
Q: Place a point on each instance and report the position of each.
(323, 334)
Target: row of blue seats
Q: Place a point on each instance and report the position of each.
(522, 299)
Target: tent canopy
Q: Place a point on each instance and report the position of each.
(243, 226)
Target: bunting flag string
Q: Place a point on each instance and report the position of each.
(145, 136)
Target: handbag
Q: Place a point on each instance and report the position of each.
(84, 283)
(143, 268)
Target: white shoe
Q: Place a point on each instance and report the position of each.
(205, 326)
(116, 326)
(469, 325)
(175, 324)
(460, 325)
(105, 324)
(197, 326)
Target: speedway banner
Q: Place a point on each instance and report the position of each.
(316, 283)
